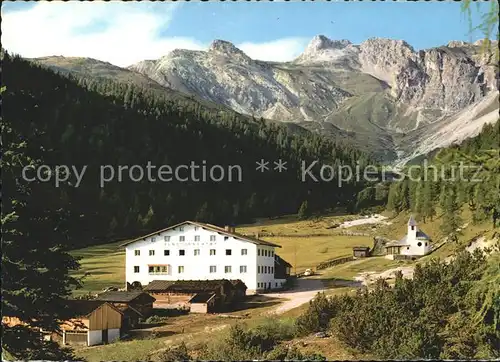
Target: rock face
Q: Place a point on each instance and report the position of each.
(379, 91)
(430, 83)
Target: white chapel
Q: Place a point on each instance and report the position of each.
(415, 243)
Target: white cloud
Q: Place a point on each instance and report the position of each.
(121, 34)
(280, 50)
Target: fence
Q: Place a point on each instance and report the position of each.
(335, 261)
(271, 235)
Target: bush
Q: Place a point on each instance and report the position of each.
(447, 311)
(155, 319)
(179, 353)
(318, 315)
(248, 344)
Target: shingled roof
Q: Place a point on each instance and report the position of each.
(187, 286)
(121, 296)
(82, 307)
(201, 297)
(210, 227)
(281, 261)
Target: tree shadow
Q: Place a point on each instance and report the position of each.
(256, 301)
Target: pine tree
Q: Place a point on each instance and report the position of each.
(304, 211)
(452, 221)
(428, 204)
(35, 262)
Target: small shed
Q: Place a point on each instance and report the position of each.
(361, 251)
(202, 303)
(94, 322)
(90, 323)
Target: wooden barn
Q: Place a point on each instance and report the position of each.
(133, 304)
(181, 292)
(91, 323)
(94, 322)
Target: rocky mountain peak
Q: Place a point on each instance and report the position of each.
(225, 47)
(321, 42)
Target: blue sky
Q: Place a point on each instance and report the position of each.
(124, 33)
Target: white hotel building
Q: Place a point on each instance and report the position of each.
(197, 251)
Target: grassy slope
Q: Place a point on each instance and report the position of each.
(105, 263)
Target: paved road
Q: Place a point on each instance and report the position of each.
(305, 290)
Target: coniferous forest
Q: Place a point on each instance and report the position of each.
(94, 122)
(460, 176)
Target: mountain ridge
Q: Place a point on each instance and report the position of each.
(378, 91)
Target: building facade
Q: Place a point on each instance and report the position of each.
(415, 243)
(198, 251)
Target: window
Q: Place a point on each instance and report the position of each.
(182, 238)
(166, 252)
(151, 253)
(265, 269)
(228, 251)
(181, 228)
(137, 252)
(407, 248)
(136, 269)
(213, 269)
(180, 269)
(226, 237)
(196, 251)
(243, 251)
(272, 253)
(419, 243)
(258, 252)
(413, 227)
(166, 238)
(197, 238)
(153, 239)
(196, 228)
(265, 252)
(182, 252)
(258, 269)
(243, 269)
(227, 269)
(212, 237)
(212, 251)
(158, 269)
(272, 269)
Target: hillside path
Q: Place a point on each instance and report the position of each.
(305, 290)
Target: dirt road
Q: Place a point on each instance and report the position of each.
(305, 290)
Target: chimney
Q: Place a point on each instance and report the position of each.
(229, 229)
(256, 235)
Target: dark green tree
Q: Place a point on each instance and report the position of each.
(35, 263)
(304, 211)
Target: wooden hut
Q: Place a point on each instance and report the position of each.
(202, 303)
(361, 251)
(94, 322)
